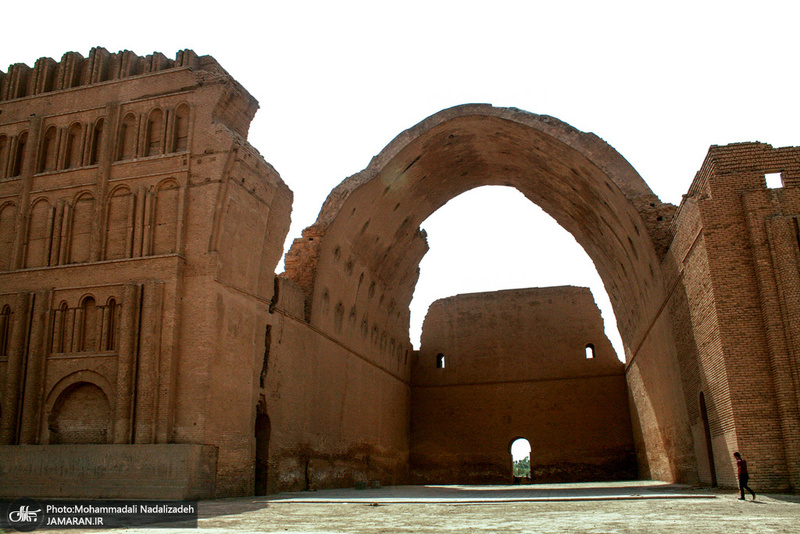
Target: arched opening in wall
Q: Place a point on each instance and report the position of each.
(83, 216)
(154, 144)
(383, 217)
(525, 347)
(262, 431)
(166, 218)
(88, 326)
(181, 141)
(81, 414)
(521, 459)
(492, 238)
(3, 155)
(18, 159)
(119, 224)
(110, 325)
(127, 138)
(38, 250)
(97, 139)
(74, 151)
(8, 230)
(60, 318)
(709, 445)
(48, 154)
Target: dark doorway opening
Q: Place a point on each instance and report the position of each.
(263, 429)
(709, 446)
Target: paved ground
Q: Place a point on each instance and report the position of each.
(633, 507)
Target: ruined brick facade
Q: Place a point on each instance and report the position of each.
(142, 326)
(523, 363)
(733, 273)
(140, 233)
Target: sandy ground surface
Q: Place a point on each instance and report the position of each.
(634, 507)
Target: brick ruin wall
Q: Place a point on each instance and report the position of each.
(686, 386)
(494, 367)
(733, 273)
(139, 235)
(337, 418)
(358, 263)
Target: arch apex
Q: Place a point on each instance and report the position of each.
(588, 144)
(574, 176)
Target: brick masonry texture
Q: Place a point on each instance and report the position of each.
(140, 234)
(516, 366)
(140, 310)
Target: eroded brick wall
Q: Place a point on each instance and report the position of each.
(734, 271)
(516, 366)
(333, 412)
(139, 235)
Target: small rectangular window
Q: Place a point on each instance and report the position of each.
(773, 180)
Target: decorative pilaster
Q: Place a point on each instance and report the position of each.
(35, 369)
(126, 363)
(16, 360)
(147, 378)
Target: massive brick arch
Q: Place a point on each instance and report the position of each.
(358, 263)
(371, 218)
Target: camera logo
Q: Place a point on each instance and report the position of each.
(25, 515)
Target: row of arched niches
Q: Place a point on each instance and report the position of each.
(134, 217)
(60, 232)
(79, 405)
(161, 131)
(85, 326)
(137, 217)
(78, 410)
(138, 221)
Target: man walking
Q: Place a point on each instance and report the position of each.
(744, 476)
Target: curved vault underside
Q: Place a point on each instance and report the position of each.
(359, 262)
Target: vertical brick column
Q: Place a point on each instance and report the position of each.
(149, 354)
(23, 215)
(35, 369)
(103, 172)
(16, 361)
(783, 242)
(126, 359)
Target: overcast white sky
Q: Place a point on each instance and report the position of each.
(337, 81)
